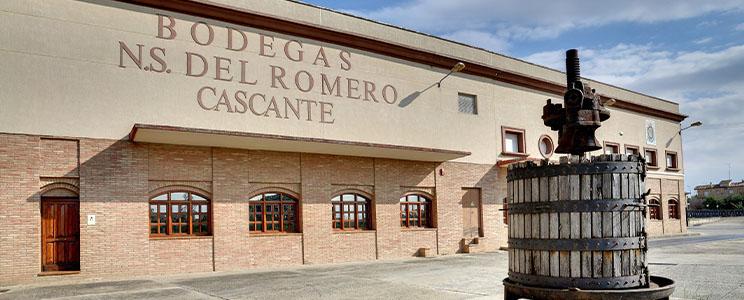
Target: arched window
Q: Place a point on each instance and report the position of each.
(673, 209)
(350, 212)
(179, 213)
(654, 209)
(415, 211)
(273, 212)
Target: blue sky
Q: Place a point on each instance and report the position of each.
(690, 52)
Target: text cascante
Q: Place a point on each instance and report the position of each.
(246, 71)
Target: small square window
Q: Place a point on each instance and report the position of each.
(651, 158)
(631, 150)
(467, 104)
(671, 160)
(611, 148)
(513, 141)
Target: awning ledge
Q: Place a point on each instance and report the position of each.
(163, 134)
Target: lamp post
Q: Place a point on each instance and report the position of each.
(694, 124)
(459, 66)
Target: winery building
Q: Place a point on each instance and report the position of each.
(170, 136)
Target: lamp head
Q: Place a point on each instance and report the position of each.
(696, 124)
(609, 102)
(459, 66)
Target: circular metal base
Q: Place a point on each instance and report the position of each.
(660, 288)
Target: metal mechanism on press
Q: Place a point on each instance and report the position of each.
(582, 115)
(577, 228)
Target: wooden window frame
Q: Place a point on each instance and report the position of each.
(675, 212)
(552, 146)
(522, 144)
(675, 167)
(168, 202)
(654, 212)
(649, 164)
(295, 203)
(637, 148)
(428, 204)
(607, 144)
(367, 215)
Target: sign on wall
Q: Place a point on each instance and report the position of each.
(650, 132)
(251, 74)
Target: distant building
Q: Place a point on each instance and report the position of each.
(720, 190)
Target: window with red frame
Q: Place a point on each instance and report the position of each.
(179, 213)
(273, 212)
(415, 211)
(350, 212)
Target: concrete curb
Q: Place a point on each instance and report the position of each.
(673, 235)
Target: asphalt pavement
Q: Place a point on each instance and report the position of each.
(708, 266)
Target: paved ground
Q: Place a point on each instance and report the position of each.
(709, 266)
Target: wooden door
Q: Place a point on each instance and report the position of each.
(471, 213)
(60, 234)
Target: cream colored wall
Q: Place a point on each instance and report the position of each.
(346, 23)
(61, 76)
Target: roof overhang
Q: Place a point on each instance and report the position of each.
(258, 141)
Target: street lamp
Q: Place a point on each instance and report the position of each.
(459, 66)
(694, 124)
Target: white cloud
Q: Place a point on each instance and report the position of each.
(708, 85)
(519, 20)
(480, 38)
(703, 40)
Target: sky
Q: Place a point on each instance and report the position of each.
(689, 52)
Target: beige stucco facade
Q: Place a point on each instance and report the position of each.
(88, 71)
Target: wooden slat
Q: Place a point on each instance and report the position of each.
(535, 226)
(597, 190)
(625, 222)
(616, 186)
(564, 226)
(554, 226)
(564, 187)
(565, 263)
(607, 266)
(545, 225)
(597, 264)
(527, 226)
(520, 191)
(616, 224)
(616, 263)
(586, 264)
(544, 187)
(536, 263)
(554, 264)
(586, 225)
(586, 187)
(545, 263)
(575, 187)
(606, 224)
(606, 185)
(624, 185)
(535, 189)
(597, 224)
(553, 188)
(625, 257)
(575, 264)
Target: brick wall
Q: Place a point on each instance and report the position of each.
(19, 208)
(117, 178)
